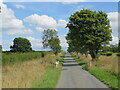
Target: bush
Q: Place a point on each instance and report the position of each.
(42, 55)
(108, 53)
(118, 54)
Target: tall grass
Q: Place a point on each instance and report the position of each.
(10, 58)
(105, 68)
(108, 63)
(22, 75)
(49, 79)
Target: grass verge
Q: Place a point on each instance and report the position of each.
(106, 77)
(49, 79)
(103, 75)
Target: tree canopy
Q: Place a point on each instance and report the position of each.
(0, 48)
(54, 44)
(21, 45)
(51, 40)
(88, 30)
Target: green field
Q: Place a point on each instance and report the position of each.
(10, 58)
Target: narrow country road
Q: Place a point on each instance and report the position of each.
(73, 76)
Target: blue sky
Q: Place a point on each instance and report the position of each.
(24, 19)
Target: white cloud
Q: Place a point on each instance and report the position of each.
(19, 6)
(10, 24)
(45, 21)
(63, 1)
(113, 17)
(36, 43)
(115, 40)
(39, 29)
(62, 23)
(63, 42)
(6, 44)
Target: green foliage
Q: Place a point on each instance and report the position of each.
(88, 30)
(108, 53)
(51, 40)
(21, 45)
(10, 58)
(0, 48)
(47, 35)
(54, 44)
(118, 54)
(114, 48)
(42, 55)
(49, 78)
(61, 60)
(105, 48)
(106, 77)
(119, 46)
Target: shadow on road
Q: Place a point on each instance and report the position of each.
(69, 65)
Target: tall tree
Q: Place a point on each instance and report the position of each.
(54, 44)
(51, 40)
(119, 45)
(0, 48)
(89, 29)
(47, 35)
(21, 45)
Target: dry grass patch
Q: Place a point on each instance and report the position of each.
(108, 63)
(21, 75)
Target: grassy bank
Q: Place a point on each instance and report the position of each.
(24, 74)
(10, 58)
(49, 79)
(106, 77)
(105, 68)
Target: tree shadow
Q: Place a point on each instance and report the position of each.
(70, 65)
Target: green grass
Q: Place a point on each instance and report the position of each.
(81, 63)
(61, 60)
(106, 77)
(10, 58)
(49, 79)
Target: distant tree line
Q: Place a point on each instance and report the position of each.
(50, 40)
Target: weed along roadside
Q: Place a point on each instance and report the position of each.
(27, 74)
(101, 68)
(50, 77)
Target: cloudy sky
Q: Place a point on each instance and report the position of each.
(29, 19)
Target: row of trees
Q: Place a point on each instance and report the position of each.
(88, 32)
(111, 48)
(50, 40)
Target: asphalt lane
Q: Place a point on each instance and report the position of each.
(73, 76)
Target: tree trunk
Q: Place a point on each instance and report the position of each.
(93, 54)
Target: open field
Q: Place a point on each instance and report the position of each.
(23, 75)
(10, 58)
(105, 68)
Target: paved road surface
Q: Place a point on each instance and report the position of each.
(73, 76)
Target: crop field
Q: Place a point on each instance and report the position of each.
(10, 58)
